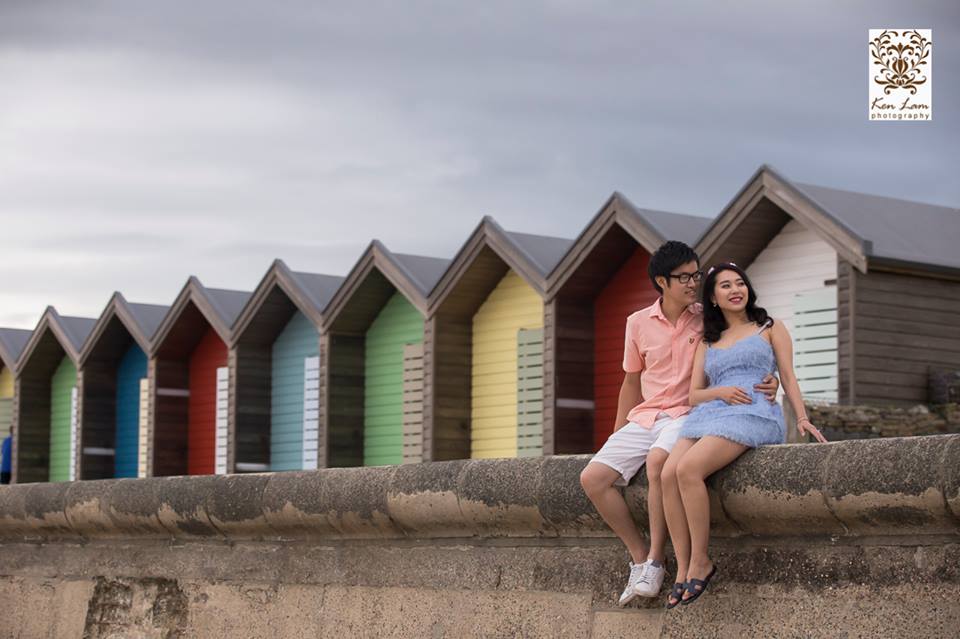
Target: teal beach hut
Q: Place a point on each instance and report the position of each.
(275, 367)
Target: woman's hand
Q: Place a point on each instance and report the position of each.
(804, 426)
(733, 395)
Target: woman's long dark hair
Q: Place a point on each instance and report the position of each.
(714, 323)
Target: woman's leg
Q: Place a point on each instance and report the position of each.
(673, 508)
(658, 526)
(704, 458)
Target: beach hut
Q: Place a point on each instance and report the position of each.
(600, 281)
(869, 286)
(485, 386)
(373, 339)
(275, 371)
(112, 378)
(45, 406)
(187, 425)
(12, 342)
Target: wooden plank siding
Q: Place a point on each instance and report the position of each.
(448, 354)
(794, 261)
(413, 436)
(221, 431)
(511, 306)
(397, 325)
(296, 342)
(628, 291)
(598, 284)
(530, 392)
(61, 412)
(168, 423)
(904, 324)
(129, 374)
(143, 423)
(7, 389)
(273, 336)
(549, 359)
(32, 417)
(344, 395)
(310, 442)
(209, 355)
(249, 393)
(815, 344)
(795, 271)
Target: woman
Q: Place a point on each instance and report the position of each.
(741, 344)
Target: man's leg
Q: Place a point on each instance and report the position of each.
(598, 482)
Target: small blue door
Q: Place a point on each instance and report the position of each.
(132, 368)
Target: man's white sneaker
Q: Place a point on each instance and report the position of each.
(650, 580)
(636, 573)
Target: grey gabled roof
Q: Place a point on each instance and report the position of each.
(424, 272)
(899, 230)
(542, 251)
(227, 303)
(318, 288)
(77, 329)
(148, 317)
(12, 343)
(676, 226)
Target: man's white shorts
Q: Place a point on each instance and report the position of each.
(626, 450)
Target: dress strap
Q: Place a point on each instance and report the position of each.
(766, 325)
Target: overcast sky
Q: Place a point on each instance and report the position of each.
(144, 142)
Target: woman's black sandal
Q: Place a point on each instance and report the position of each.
(695, 587)
(676, 593)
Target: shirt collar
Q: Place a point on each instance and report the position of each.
(657, 309)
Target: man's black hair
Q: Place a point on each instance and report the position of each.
(668, 257)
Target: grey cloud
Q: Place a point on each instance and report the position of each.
(225, 134)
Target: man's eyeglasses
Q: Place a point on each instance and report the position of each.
(686, 277)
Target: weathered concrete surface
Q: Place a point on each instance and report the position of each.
(872, 487)
(852, 539)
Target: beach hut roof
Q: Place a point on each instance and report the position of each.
(613, 234)
(308, 292)
(532, 257)
(374, 278)
(69, 332)
(219, 307)
(140, 321)
(863, 229)
(12, 343)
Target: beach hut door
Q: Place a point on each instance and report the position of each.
(529, 392)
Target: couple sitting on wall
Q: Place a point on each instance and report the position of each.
(699, 391)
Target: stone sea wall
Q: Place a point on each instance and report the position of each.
(848, 539)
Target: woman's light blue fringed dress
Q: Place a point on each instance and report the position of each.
(744, 364)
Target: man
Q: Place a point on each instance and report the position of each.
(658, 354)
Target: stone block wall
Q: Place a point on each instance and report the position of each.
(839, 422)
(848, 539)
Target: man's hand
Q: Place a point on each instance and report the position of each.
(769, 387)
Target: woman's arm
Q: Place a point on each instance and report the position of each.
(630, 396)
(783, 351)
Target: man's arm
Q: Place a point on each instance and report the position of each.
(629, 397)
